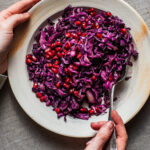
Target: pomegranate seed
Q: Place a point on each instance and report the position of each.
(76, 93)
(28, 61)
(66, 85)
(83, 109)
(84, 34)
(97, 109)
(29, 56)
(91, 111)
(93, 13)
(75, 68)
(93, 25)
(110, 78)
(75, 36)
(97, 26)
(123, 30)
(87, 19)
(68, 45)
(66, 70)
(38, 94)
(55, 70)
(99, 35)
(53, 52)
(71, 91)
(108, 14)
(48, 65)
(79, 42)
(35, 85)
(79, 55)
(70, 66)
(52, 45)
(70, 73)
(43, 99)
(93, 78)
(78, 23)
(57, 110)
(58, 49)
(79, 32)
(34, 58)
(50, 54)
(47, 56)
(83, 25)
(58, 43)
(64, 50)
(57, 62)
(58, 84)
(78, 48)
(90, 9)
(59, 54)
(67, 80)
(47, 50)
(55, 66)
(55, 57)
(68, 35)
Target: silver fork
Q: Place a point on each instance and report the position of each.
(112, 142)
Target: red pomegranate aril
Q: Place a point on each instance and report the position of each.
(108, 14)
(90, 9)
(75, 68)
(78, 23)
(76, 93)
(83, 109)
(93, 78)
(57, 110)
(47, 50)
(68, 45)
(55, 66)
(35, 85)
(68, 35)
(38, 94)
(58, 43)
(93, 25)
(34, 58)
(83, 25)
(70, 66)
(79, 33)
(55, 57)
(28, 61)
(50, 54)
(43, 99)
(93, 13)
(71, 91)
(48, 65)
(57, 62)
(110, 78)
(97, 109)
(79, 55)
(75, 36)
(52, 45)
(84, 34)
(64, 50)
(29, 56)
(123, 30)
(66, 70)
(67, 80)
(66, 86)
(99, 35)
(87, 19)
(59, 54)
(91, 111)
(58, 84)
(47, 56)
(55, 70)
(97, 26)
(58, 49)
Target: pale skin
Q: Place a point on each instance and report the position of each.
(17, 14)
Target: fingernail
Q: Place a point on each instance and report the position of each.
(110, 124)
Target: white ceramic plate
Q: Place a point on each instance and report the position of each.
(132, 94)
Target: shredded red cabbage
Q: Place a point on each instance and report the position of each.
(79, 60)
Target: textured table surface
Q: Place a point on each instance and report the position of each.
(19, 132)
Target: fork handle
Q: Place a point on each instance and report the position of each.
(112, 142)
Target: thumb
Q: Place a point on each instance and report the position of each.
(103, 135)
(15, 20)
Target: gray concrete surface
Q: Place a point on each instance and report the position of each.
(19, 132)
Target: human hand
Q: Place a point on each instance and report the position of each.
(105, 130)
(9, 19)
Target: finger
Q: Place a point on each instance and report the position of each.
(101, 137)
(97, 125)
(14, 20)
(17, 8)
(122, 136)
